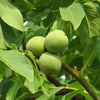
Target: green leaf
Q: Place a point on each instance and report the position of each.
(51, 92)
(11, 15)
(58, 97)
(93, 21)
(11, 35)
(74, 13)
(2, 41)
(66, 3)
(87, 96)
(98, 1)
(32, 86)
(30, 55)
(49, 20)
(45, 13)
(24, 95)
(76, 85)
(28, 4)
(42, 3)
(97, 48)
(58, 24)
(89, 51)
(40, 32)
(44, 90)
(5, 85)
(68, 96)
(83, 1)
(13, 90)
(2, 69)
(18, 63)
(8, 72)
(31, 26)
(83, 32)
(39, 75)
(97, 6)
(24, 5)
(52, 97)
(13, 46)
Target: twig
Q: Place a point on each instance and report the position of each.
(54, 81)
(83, 82)
(63, 91)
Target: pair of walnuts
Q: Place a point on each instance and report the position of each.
(55, 42)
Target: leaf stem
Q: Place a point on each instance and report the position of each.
(86, 64)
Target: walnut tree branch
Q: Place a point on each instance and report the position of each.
(54, 81)
(83, 82)
(63, 91)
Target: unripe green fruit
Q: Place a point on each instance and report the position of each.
(49, 63)
(36, 45)
(56, 41)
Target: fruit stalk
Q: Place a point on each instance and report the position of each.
(82, 81)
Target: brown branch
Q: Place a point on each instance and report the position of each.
(83, 82)
(63, 91)
(54, 81)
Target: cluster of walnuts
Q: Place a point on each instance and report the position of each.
(47, 48)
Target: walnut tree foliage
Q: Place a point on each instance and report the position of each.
(20, 76)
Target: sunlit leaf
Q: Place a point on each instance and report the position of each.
(74, 13)
(11, 15)
(18, 63)
(32, 86)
